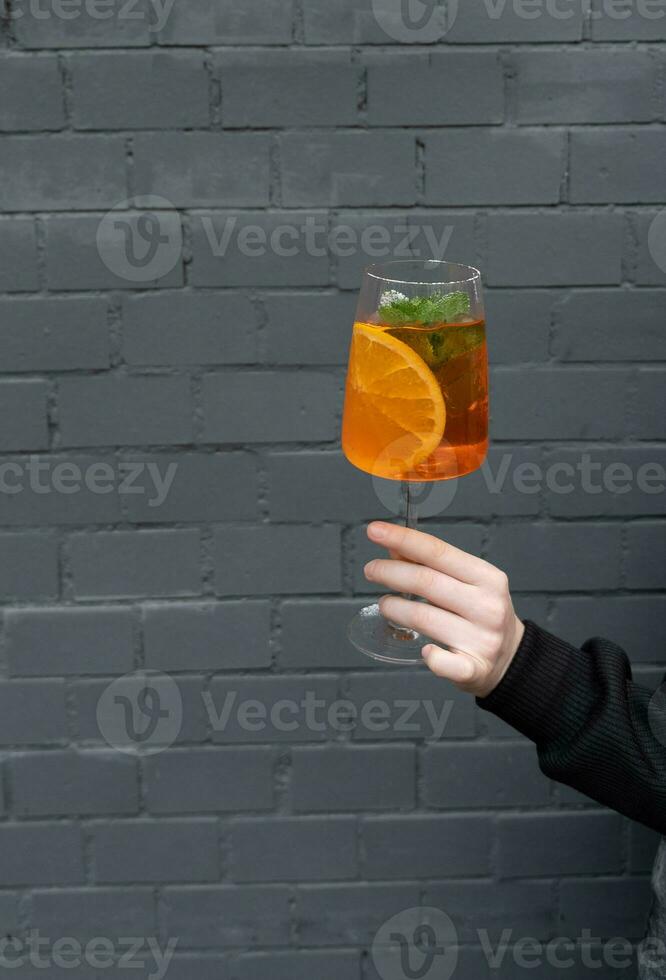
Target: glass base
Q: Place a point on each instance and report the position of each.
(377, 638)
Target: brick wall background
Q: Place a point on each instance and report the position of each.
(538, 145)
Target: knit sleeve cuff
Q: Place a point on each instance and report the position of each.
(545, 690)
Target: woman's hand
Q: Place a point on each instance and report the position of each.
(468, 608)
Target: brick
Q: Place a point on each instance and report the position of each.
(119, 26)
(605, 482)
(41, 854)
(69, 783)
(178, 328)
(271, 406)
(155, 850)
(646, 543)
(468, 537)
(204, 967)
(294, 849)
(649, 406)
(95, 640)
(74, 261)
(41, 701)
(348, 915)
(471, 903)
(554, 249)
(349, 22)
(353, 778)
(98, 718)
(582, 86)
(9, 912)
(362, 239)
(185, 487)
(555, 403)
(308, 328)
(483, 776)
(322, 486)
(173, 87)
(426, 846)
(410, 705)
(136, 563)
(288, 88)
(86, 913)
(627, 22)
(646, 248)
(208, 22)
(272, 709)
(23, 409)
(59, 173)
(227, 916)
(617, 166)
(557, 844)
(314, 634)
(251, 560)
(360, 169)
(41, 334)
(608, 907)
(40, 489)
(592, 325)
(210, 780)
(18, 255)
(203, 169)
(482, 24)
(643, 846)
(487, 166)
(470, 964)
(519, 549)
(472, 82)
(518, 325)
(300, 965)
(259, 248)
(37, 99)
(30, 566)
(210, 636)
(121, 410)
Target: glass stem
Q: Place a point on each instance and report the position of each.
(411, 521)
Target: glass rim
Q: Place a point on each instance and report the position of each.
(375, 272)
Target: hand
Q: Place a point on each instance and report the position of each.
(468, 608)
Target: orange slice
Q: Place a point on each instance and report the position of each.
(394, 409)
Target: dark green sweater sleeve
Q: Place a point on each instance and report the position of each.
(594, 728)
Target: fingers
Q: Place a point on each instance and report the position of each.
(459, 668)
(437, 624)
(428, 550)
(437, 588)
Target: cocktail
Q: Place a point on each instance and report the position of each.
(416, 400)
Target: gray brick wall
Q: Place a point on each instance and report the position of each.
(214, 533)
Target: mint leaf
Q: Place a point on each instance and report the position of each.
(436, 308)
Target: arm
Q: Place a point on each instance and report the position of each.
(589, 720)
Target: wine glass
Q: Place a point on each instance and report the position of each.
(416, 399)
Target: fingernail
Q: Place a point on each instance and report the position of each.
(377, 530)
(367, 571)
